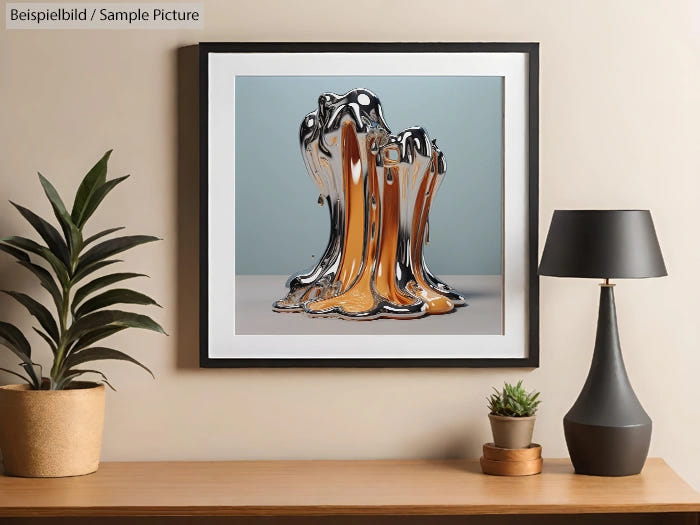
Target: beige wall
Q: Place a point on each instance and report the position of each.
(620, 106)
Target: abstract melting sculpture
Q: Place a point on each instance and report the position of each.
(378, 188)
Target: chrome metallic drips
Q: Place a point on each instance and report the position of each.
(378, 188)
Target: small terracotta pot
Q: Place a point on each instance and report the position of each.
(51, 433)
(512, 432)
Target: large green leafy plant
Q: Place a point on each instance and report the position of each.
(513, 401)
(64, 266)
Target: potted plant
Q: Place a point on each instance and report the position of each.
(51, 426)
(512, 415)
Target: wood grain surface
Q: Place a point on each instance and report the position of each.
(529, 467)
(326, 488)
(494, 453)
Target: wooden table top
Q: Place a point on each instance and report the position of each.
(293, 488)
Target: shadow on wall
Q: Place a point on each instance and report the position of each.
(187, 101)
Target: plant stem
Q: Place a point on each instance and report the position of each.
(62, 342)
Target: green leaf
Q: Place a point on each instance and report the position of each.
(46, 281)
(76, 246)
(29, 368)
(65, 381)
(15, 252)
(100, 353)
(95, 335)
(51, 236)
(100, 283)
(101, 234)
(97, 196)
(513, 401)
(55, 200)
(23, 378)
(30, 246)
(13, 338)
(70, 231)
(48, 340)
(91, 268)
(111, 247)
(59, 209)
(39, 311)
(104, 380)
(95, 178)
(104, 318)
(116, 296)
(60, 384)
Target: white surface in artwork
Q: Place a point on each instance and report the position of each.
(481, 316)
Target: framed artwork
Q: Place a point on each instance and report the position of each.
(368, 204)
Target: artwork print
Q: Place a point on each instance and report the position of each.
(378, 188)
(405, 232)
(359, 215)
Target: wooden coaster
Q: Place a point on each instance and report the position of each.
(495, 453)
(511, 468)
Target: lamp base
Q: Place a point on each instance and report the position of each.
(607, 451)
(607, 430)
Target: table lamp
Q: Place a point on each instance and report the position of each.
(607, 431)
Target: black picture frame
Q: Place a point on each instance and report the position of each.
(531, 49)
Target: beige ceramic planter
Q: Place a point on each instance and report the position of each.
(512, 432)
(51, 433)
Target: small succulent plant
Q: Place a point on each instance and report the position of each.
(82, 315)
(513, 401)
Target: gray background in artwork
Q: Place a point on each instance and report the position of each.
(279, 225)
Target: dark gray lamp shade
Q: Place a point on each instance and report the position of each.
(605, 244)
